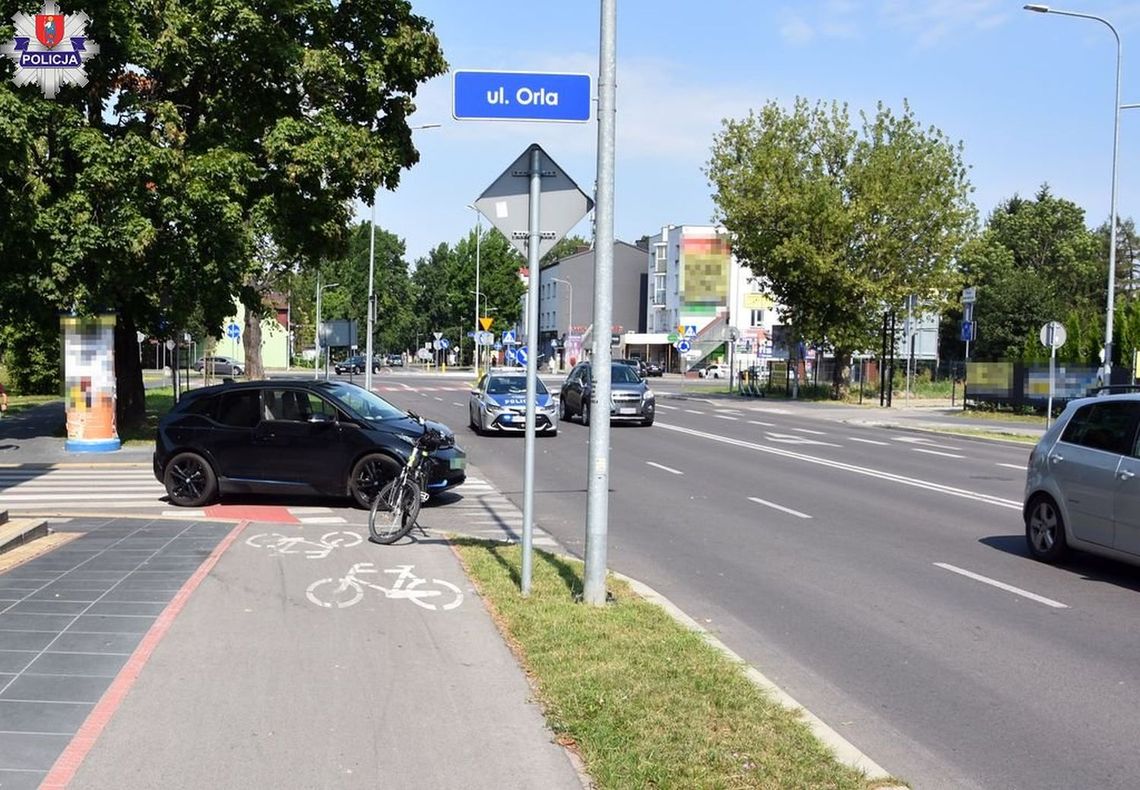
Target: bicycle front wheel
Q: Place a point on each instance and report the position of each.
(394, 511)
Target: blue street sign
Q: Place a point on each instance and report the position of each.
(969, 330)
(690, 331)
(520, 355)
(498, 346)
(511, 353)
(233, 331)
(520, 96)
(683, 346)
(508, 337)
(471, 335)
(444, 342)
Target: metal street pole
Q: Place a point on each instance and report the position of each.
(371, 271)
(570, 309)
(1044, 9)
(598, 483)
(534, 237)
(317, 334)
(478, 242)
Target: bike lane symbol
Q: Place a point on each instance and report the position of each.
(276, 543)
(348, 590)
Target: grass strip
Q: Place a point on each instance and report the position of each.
(645, 701)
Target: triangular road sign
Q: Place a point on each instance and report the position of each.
(506, 203)
(486, 323)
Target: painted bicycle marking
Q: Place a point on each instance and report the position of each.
(349, 589)
(276, 543)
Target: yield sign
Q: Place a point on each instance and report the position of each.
(486, 323)
(506, 203)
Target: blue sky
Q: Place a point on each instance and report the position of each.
(1029, 95)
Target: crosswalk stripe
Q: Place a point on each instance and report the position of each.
(321, 520)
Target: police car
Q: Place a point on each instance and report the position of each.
(498, 404)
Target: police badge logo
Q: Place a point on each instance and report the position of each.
(37, 52)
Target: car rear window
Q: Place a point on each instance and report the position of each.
(1105, 426)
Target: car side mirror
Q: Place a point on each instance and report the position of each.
(320, 418)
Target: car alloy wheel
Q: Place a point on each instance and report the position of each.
(190, 481)
(369, 475)
(1045, 530)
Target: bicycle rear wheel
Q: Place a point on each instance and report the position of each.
(394, 511)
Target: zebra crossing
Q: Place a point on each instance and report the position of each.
(475, 509)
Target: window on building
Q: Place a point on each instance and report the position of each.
(757, 318)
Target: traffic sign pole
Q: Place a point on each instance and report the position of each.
(597, 508)
(533, 236)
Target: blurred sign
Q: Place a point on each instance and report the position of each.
(969, 295)
(1053, 335)
(969, 330)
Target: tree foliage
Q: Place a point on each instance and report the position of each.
(202, 127)
(842, 223)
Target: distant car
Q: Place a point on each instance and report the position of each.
(395, 361)
(354, 365)
(630, 396)
(498, 404)
(714, 371)
(219, 366)
(288, 437)
(654, 369)
(1082, 487)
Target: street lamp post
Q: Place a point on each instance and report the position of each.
(371, 283)
(1044, 9)
(317, 334)
(478, 242)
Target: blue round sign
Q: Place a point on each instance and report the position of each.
(683, 345)
(233, 331)
(520, 355)
(444, 342)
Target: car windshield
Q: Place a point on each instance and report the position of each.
(508, 385)
(367, 404)
(623, 373)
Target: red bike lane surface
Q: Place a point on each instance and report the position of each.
(312, 658)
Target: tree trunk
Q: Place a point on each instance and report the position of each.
(251, 341)
(130, 395)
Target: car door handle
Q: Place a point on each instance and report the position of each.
(1055, 458)
(1125, 474)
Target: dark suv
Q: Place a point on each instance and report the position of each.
(354, 365)
(630, 396)
(329, 438)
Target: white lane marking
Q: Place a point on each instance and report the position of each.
(1002, 586)
(924, 442)
(936, 452)
(788, 438)
(867, 441)
(859, 470)
(761, 422)
(670, 408)
(439, 398)
(186, 513)
(296, 511)
(666, 468)
(694, 411)
(809, 430)
(1018, 467)
(781, 508)
(321, 520)
(453, 403)
(724, 417)
(770, 410)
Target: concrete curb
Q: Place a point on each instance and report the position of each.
(844, 750)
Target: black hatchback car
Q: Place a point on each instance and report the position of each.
(327, 438)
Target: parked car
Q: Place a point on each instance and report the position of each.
(395, 361)
(355, 364)
(219, 366)
(714, 371)
(653, 369)
(294, 436)
(630, 396)
(498, 403)
(1082, 488)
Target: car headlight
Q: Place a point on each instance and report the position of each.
(493, 408)
(647, 395)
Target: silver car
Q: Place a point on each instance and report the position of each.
(1082, 490)
(498, 405)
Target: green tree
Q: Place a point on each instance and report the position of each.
(202, 128)
(842, 223)
(1037, 262)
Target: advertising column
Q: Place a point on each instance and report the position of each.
(89, 383)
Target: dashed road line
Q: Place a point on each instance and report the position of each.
(781, 508)
(724, 417)
(937, 452)
(694, 411)
(666, 468)
(1018, 467)
(868, 441)
(1002, 585)
(761, 422)
(809, 430)
(670, 408)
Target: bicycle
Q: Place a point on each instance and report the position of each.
(395, 509)
(295, 544)
(349, 588)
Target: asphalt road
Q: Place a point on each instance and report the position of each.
(878, 576)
